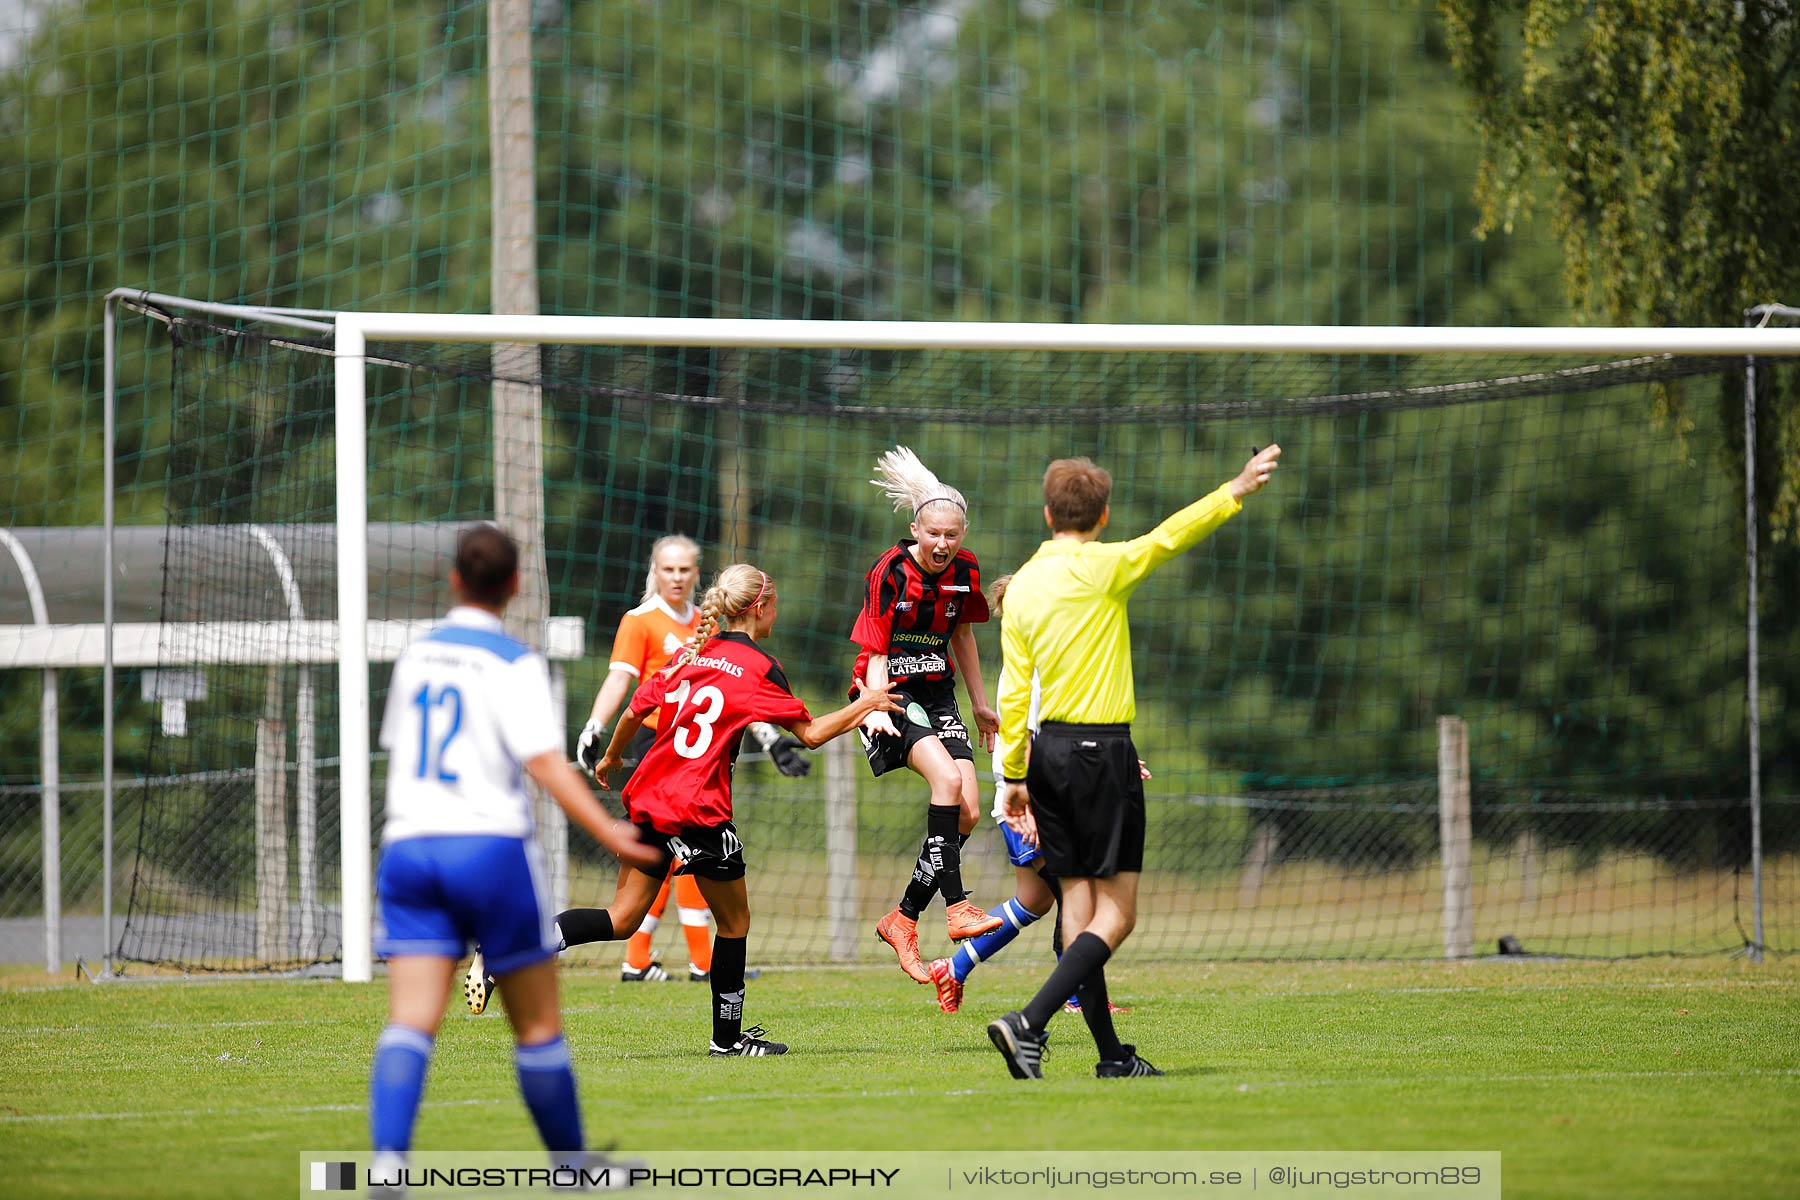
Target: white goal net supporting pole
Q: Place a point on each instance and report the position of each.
(358, 885)
(356, 330)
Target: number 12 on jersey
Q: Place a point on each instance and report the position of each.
(694, 727)
(431, 755)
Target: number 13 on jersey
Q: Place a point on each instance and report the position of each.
(694, 726)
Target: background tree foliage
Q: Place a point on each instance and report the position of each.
(1666, 133)
(1161, 160)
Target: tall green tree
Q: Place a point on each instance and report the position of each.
(1664, 134)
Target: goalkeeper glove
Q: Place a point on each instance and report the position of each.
(588, 747)
(782, 750)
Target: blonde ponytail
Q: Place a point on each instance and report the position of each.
(910, 484)
(735, 590)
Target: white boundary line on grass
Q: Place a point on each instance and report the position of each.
(1657, 985)
(1251, 1085)
(737, 1097)
(1349, 990)
(298, 1109)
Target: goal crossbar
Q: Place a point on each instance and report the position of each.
(1022, 335)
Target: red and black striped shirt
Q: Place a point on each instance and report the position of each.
(909, 615)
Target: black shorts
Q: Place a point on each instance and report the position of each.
(1088, 797)
(929, 710)
(709, 851)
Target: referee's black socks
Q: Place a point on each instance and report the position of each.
(728, 990)
(1096, 1010)
(1085, 956)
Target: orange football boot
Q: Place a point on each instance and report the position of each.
(901, 933)
(967, 921)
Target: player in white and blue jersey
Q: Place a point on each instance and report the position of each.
(469, 715)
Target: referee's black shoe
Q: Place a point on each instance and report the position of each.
(1019, 1044)
(1124, 1068)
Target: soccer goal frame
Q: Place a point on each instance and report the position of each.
(1770, 331)
(355, 331)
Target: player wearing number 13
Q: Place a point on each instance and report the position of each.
(680, 795)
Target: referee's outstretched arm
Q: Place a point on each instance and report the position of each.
(1142, 555)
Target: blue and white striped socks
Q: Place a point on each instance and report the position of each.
(547, 1081)
(396, 1085)
(1014, 917)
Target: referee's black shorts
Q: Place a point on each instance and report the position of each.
(1088, 796)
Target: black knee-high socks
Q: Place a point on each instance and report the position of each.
(939, 868)
(1084, 956)
(728, 990)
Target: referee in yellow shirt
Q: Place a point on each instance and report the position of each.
(1065, 624)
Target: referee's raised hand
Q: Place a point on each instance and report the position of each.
(1256, 472)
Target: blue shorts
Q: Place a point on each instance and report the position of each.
(438, 894)
(1017, 852)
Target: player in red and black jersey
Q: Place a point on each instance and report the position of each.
(680, 795)
(915, 627)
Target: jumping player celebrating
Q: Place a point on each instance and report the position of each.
(923, 595)
(680, 795)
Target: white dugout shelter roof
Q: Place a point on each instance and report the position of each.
(219, 594)
(210, 595)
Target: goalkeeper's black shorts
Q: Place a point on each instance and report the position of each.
(1088, 797)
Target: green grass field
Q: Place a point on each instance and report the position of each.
(1664, 1078)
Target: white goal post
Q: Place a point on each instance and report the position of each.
(355, 331)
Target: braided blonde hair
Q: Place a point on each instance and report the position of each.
(735, 591)
(674, 541)
(912, 487)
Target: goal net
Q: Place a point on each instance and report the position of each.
(1515, 541)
